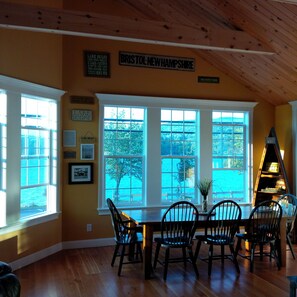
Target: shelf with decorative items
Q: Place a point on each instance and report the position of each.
(271, 181)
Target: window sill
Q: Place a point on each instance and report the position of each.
(22, 224)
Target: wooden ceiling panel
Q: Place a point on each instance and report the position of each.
(253, 42)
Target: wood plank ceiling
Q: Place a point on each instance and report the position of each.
(254, 41)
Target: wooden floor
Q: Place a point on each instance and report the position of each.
(87, 273)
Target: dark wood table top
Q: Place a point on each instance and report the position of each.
(153, 216)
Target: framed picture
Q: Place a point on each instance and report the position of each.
(87, 151)
(69, 138)
(96, 64)
(80, 173)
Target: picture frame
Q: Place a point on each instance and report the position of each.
(80, 173)
(97, 64)
(69, 138)
(87, 151)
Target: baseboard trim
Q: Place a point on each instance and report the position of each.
(27, 260)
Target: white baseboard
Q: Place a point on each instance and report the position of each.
(17, 264)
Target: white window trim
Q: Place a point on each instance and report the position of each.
(168, 102)
(17, 88)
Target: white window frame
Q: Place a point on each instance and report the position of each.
(153, 187)
(14, 89)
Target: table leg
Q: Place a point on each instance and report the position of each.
(283, 241)
(147, 250)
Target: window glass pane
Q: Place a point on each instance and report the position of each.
(3, 154)
(229, 157)
(123, 155)
(38, 154)
(178, 151)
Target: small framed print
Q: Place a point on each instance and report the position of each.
(83, 115)
(80, 173)
(69, 138)
(87, 151)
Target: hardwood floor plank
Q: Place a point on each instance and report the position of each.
(87, 273)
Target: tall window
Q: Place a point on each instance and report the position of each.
(229, 155)
(38, 154)
(153, 151)
(123, 154)
(179, 154)
(28, 152)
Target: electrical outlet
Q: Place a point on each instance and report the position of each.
(89, 227)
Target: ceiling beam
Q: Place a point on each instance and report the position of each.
(61, 21)
(286, 1)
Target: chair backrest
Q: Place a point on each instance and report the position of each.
(179, 223)
(227, 214)
(264, 221)
(121, 230)
(288, 203)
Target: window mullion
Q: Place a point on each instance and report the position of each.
(153, 151)
(13, 157)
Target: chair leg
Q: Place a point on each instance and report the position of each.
(197, 249)
(253, 246)
(238, 247)
(184, 256)
(210, 255)
(193, 260)
(140, 251)
(121, 260)
(222, 254)
(157, 254)
(116, 249)
(234, 256)
(290, 246)
(166, 264)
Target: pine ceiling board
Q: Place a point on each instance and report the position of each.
(144, 8)
(228, 63)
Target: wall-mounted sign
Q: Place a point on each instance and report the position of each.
(96, 64)
(153, 61)
(83, 115)
(209, 79)
(82, 100)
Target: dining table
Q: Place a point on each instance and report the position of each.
(150, 219)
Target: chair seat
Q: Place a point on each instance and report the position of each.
(127, 240)
(177, 242)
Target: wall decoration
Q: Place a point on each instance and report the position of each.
(69, 155)
(80, 173)
(209, 79)
(83, 115)
(69, 138)
(96, 64)
(82, 100)
(87, 151)
(153, 61)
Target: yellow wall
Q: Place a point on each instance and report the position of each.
(57, 61)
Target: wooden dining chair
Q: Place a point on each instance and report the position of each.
(128, 238)
(288, 203)
(178, 227)
(221, 233)
(263, 228)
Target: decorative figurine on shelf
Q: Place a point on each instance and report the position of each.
(204, 187)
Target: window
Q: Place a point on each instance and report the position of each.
(229, 143)
(38, 155)
(29, 142)
(123, 154)
(153, 151)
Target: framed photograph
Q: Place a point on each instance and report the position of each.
(69, 138)
(87, 151)
(80, 173)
